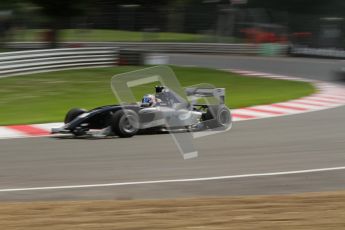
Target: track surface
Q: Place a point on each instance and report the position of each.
(298, 142)
(317, 69)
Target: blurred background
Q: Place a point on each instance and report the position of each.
(303, 23)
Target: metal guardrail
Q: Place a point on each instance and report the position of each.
(190, 47)
(316, 52)
(165, 47)
(25, 62)
(102, 54)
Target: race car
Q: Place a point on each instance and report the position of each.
(172, 112)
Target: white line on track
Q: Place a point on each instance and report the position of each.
(173, 180)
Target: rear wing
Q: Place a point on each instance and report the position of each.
(214, 93)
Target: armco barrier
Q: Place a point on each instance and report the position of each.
(315, 52)
(165, 47)
(250, 49)
(102, 54)
(24, 62)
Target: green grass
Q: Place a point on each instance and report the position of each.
(4, 50)
(46, 97)
(98, 35)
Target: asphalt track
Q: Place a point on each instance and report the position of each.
(262, 148)
(310, 68)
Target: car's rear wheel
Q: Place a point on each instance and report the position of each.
(224, 117)
(72, 114)
(218, 116)
(125, 123)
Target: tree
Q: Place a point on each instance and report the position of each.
(58, 14)
(335, 7)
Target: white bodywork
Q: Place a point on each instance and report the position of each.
(170, 117)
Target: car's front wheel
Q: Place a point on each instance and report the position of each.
(125, 123)
(72, 114)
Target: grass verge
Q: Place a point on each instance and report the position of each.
(46, 97)
(98, 35)
(303, 211)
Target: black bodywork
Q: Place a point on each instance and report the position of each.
(97, 118)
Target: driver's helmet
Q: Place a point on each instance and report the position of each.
(149, 99)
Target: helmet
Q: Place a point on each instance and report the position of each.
(148, 99)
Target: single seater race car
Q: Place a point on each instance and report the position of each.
(171, 113)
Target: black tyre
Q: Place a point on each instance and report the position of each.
(218, 116)
(125, 123)
(72, 114)
(224, 117)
